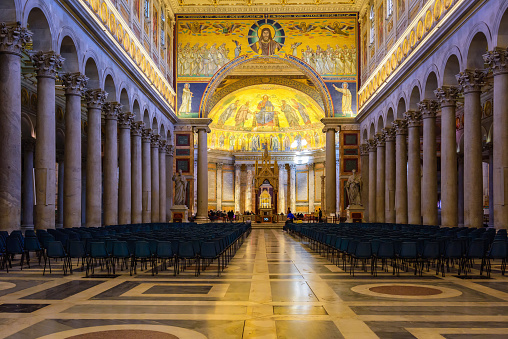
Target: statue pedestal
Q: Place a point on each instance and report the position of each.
(355, 213)
(179, 213)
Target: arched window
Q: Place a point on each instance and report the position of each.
(147, 9)
(389, 8)
(372, 18)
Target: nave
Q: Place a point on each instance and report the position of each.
(276, 286)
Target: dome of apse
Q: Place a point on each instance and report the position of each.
(279, 117)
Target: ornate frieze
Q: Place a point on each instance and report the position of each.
(447, 95)
(74, 83)
(13, 38)
(497, 60)
(47, 63)
(471, 80)
(95, 98)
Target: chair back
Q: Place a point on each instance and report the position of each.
(55, 249)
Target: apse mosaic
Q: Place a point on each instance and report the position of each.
(272, 116)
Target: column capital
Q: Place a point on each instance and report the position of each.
(170, 150)
(74, 83)
(330, 123)
(428, 108)
(471, 80)
(163, 147)
(372, 145)
(146, 135)
(364, 149)
(389, 134)
(46, 63)
(292, 167)
(198, 124)
(380, 139)
(155, 139)
(95, 98)
(111, 110)
(312, 165)
(238, 167)
(281, 167)
(447, 95)
(497, 60)
(125, 120)
(137, 128)
(250, 167)
(413, 118)
(400, 126)
(13, 38)
(219, 165)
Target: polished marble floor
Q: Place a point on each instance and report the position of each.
(275, 287)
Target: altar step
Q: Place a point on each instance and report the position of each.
(268, 225)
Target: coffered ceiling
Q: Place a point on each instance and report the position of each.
(264, 6)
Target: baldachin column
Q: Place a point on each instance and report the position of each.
(202, 171)
(364, 158)
(389, 133)
(95, 98)
(162, 181)
(429, 108)
(46, 64)
(111, 111)
(74, 84)
(471, 82)
(372, 179)
(401, 171)
(447, 96)
(498, 63)
(12, 43)
(292, 187)
(136, 173)
(125, 163)
(155, 177)
(146, 137)
(414, 181)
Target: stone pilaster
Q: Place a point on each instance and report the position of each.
(312, 189)
(136, 173)
(331, 127)
(282, 191)
(248, 190)
(447, 96)
(471, 82)
(414, 121)
(95, 98)
(74, 84)
(46, 65)
(497, 61)
(292, 187)
(125, 121)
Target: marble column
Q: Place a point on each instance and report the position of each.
(60, 188)
(372, 179)
(337, 187)
(447, 96)
(83, 190)
(389, 133)
(323, 195)
(429, 108)
(401, 172)
(380, 178)
(136, 173)
(364, 158)
(471, 82)
(125, 164)
(74, 84)
(111, 111)
(155, 177)
(237, 188)
(95, 98)
(331, 127)
(146, 215)
(195, 188)
(248, 190)
(498, 62)
(27, 220)
(12, 43)
(282, 192)
(292, 187)
(460, 189)
(46, 64)
(312, 189)
(169, 181)
(202, 171)
(219, 186)
(162, 181)
(414, 181)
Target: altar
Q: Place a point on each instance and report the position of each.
(266, 181)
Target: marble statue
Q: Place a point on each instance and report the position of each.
(354, 189)
(180, 188)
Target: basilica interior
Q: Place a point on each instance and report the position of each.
(253, 168)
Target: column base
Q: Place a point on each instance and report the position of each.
(27, 227)
(59, 226)
(201, 220)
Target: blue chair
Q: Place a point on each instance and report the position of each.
(476, 250)
(208, 252)
(98, 254)
(120, 254)
(165, 253)
(186, 252)
(408, 254)
(498, 250)
(32, 245)
(385, 252)
(430, 253)
(141, 252)
(13, 246)
(453, 253)
(76, 249)
(362, 252)
(55, 250)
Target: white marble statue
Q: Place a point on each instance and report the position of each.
(354, 189)
(180, 188)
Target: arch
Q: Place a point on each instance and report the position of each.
(365, 135)
(372, 131)
(478, 45)
(155, 125)
(136, 111)
(27, 128)
(216, 80)
(69, 52)
(414, 98)
(451, 69)
(146, 118)
(38, 24)
(60, 139)
(401, 108)
(8, 11)
(389, 116)
(92, 72)
(169, 137)
(124, 100)
(163, 132)
(430, 85)
(109, 87)
(380, 123)
(502, 27)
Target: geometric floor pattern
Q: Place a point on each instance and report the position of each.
(275, 287)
